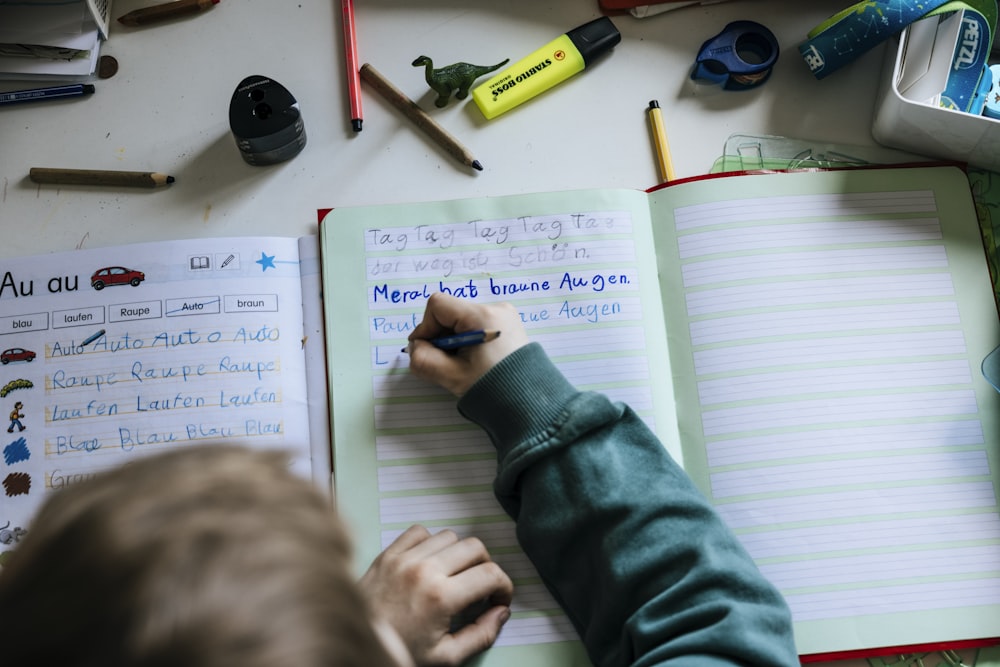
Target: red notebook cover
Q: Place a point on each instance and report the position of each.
(898, 650)
(625, 5)
(629, 4)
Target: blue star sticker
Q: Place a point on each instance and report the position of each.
(266, 262)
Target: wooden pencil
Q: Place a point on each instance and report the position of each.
(132, 179)
(418, 116)
(165, 11)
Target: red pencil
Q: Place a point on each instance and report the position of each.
(351, 55)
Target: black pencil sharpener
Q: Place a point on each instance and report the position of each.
(266, 122)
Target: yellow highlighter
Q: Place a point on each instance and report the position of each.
(550, 65)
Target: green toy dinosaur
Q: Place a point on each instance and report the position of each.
(458, 77)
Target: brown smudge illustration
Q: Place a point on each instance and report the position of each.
(17, 484)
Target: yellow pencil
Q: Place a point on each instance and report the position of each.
(660, 141)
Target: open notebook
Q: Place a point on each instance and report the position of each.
(807, 344)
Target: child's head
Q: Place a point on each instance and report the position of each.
(201, 556)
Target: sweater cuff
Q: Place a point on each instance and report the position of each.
(522, 397)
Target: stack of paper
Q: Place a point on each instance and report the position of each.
(51, 39)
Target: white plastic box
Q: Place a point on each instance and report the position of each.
(925, 129)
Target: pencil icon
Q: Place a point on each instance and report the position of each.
(91, 338)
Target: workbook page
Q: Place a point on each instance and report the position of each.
(578, 266)
(115, 353)
(827, 331)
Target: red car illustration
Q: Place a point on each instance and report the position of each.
(116, 275)
(16, 354)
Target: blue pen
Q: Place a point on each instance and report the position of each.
(49, 93)
(464, 339)
(92, 337)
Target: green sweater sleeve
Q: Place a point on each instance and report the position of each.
(641, 563)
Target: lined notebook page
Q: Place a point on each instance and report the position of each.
(833, 343)
(580, 270)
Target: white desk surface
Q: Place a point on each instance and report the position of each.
(166, 110)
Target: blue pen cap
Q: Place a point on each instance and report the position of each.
(594, 38)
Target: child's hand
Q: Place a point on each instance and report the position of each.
(422, 582)
(458, 370)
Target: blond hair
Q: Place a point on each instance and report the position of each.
(201, 556)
